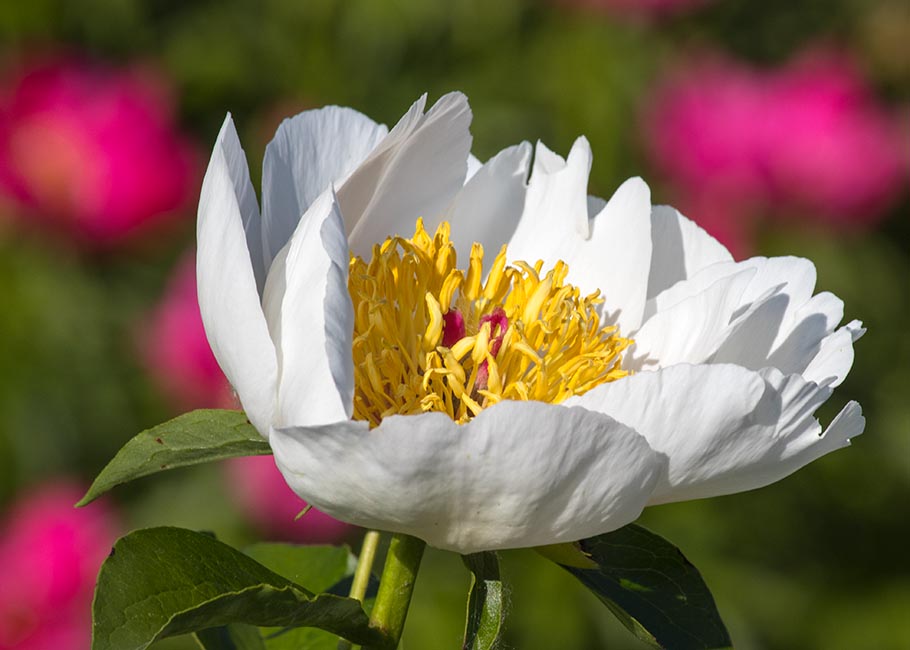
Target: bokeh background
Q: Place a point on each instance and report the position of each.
(781, 127)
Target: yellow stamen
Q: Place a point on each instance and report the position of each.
(525, 335)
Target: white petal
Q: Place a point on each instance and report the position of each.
(681, 248)
(691, 330)
(311, 320)
(723, 428)
(488, 207)
(309, 153)
(415, 172)
(835, 355)
(227, 286)
(774, 309)
(519, 474)
(617, 257)
(474, 166)
(812, 323)
(555, 217)
(611, 252)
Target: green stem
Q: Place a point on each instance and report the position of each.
(364, 565)
(362, 573)
(395, 589)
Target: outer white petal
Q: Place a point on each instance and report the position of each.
(610, 252)
(775, 321)
(813, 322)
(415, 172)
(311, 320)
(691, 330)
(835, 355)
(309, 153)
(488, 207)
(724, 428)
(681, 248)
(226, 280)
(519, 474)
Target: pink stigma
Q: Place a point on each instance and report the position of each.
(452, 328)
(499, 323)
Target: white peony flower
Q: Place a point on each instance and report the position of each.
(505, 404)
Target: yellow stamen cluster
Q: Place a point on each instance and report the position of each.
(553, 347)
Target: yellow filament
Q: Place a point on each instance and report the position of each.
(554, 345)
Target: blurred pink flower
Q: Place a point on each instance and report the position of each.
(176, 350)
(91, 150)
(265, 497)
(637, 8)
(50, 554)
(181, 362)
(808, 138)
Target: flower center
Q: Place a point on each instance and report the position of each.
(431, 337)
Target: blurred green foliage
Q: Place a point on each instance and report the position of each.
(816, 561)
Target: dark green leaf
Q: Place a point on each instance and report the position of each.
(318, 567)
(235, 636)
(486, 602)
(652, 588)
(162, 582)
(197, 437)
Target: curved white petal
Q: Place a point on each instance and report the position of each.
(414, 172)
(309, 153)
(618, 255)
(724, 428)
(812, 323)
(680, 249)
(226, 280)
(311, 320)
(691, 330)
(610, 252)
(835, 355)
(474, 166)
(555, 217)
(519, 474)
(488, 207)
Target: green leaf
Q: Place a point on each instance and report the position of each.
(652, 588)
(318, 567)
(162, 582)
(197, 437)
(235, 636)
(486, 602)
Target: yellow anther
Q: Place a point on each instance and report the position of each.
(471, 289)
(535, 302)
(462, 347)
(481, 344)
(433, 333)
(492, 289)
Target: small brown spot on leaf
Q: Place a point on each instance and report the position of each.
(159, 441)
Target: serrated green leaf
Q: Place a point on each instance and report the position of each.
(162, 582)
(653, 589)
(201, 436)
(486, 602)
